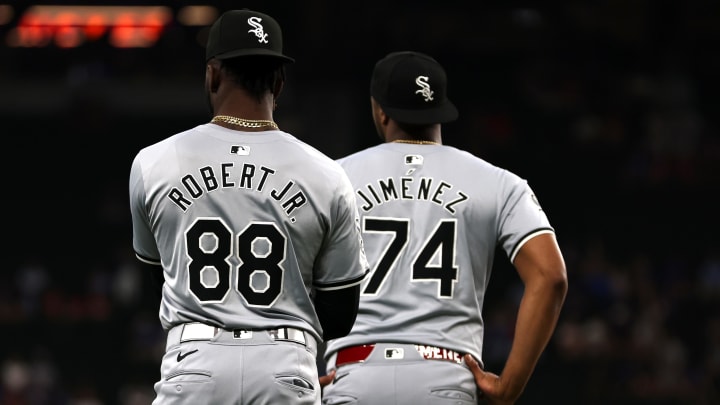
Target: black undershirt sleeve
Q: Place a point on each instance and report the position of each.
(155, 278)
(337, 310)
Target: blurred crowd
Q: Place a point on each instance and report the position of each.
(609, 111)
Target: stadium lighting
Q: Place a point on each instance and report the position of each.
(69, 26)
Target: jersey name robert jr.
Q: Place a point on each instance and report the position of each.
(247, 177)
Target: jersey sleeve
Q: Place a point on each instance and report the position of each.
(342, 262)
(521, 216)
(143, 239)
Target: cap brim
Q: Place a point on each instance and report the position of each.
(438, 114)
(255, 52)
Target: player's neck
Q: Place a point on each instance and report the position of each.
(426, 134)
(241, 111)
(243, 124)
(245, 120)
(420, 140)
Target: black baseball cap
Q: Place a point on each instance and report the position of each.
(245, 33)
(411, 87)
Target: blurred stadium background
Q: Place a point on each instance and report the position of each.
(608, 108)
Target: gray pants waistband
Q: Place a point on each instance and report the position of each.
(196, 331)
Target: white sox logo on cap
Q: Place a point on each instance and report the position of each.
(241, 33)
(258, 29)
(400, 84)
(424, 91)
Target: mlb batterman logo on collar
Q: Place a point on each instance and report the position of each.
(411, 87)
(245, 33)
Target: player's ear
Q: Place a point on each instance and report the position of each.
(383, 118)
(279, 83)
(212, 75)
(378, 113)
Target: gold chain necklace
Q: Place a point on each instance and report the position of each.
(414, 142)
(242, 122)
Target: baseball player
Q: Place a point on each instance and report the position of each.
(254, 236)
(431, 217)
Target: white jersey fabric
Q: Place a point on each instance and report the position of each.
(246, 226)
(432, 217)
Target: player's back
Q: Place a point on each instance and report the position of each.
(431, 217)
(245, 215)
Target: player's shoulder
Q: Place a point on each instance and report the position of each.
(491, 174)
(315, 163)
(312, 155)
(363, 156)
(308, 150)
(465, 157)
(161, 146)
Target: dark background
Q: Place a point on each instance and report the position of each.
(608, 108)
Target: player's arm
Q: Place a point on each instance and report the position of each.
(542, 270)
(337, 310)
(153, 272)
(155, 276)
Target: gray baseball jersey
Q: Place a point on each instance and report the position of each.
(431, 219)
(245, 226)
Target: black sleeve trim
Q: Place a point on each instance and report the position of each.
(526, 238)
(147, 260)
(342, 284)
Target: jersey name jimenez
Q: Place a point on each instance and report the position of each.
(408, 188)
(247, 177)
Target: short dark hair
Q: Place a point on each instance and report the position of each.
(257, 75)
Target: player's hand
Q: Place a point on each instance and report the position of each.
(327, 379)
(490, 384)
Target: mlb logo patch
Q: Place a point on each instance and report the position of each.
(413, 159)
(395, 353)
(240, 150)
(242, 334)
